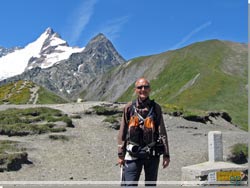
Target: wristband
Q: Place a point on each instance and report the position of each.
(120, 154)
(166, 156)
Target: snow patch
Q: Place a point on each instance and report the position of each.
(16, 62)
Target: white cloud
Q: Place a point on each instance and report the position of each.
(113, 27)
(192, 33)
(80, 19)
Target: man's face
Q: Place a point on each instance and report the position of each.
(142, 89)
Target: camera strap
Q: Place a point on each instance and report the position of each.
(141, 119)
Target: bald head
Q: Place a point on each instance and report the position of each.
(141, 81)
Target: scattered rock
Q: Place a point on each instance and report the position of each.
(186, 127)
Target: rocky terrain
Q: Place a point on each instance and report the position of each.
(90, 154)
(64, 70)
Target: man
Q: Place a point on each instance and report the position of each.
(142, 138)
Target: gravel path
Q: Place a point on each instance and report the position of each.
(91, 152)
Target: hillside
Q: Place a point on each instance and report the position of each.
(27, 92)
(205, 76)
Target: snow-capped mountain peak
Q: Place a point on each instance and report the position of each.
(44, 52)
(59, 71)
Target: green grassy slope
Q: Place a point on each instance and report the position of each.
(195, 78)
(20, 92)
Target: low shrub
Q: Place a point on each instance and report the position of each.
(239, 153)
(111, 119)
(58, 137)
(12, 156)
(103, 110)
(75, 116)
(21, 122)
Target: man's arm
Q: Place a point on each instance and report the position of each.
(121, 139)
(164, 136)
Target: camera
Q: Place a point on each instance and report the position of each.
(132, 148)
(137, 151)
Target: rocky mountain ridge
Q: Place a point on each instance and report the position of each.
(67, 77)
(112, 86)
(53, 50)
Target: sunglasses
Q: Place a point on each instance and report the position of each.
(145, 87)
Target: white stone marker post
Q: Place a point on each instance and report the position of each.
(215, 146)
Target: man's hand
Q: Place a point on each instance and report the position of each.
(165, 162)
(121, 161)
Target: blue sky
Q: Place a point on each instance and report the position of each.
(135, 27)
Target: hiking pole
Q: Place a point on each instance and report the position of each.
(122, 175)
